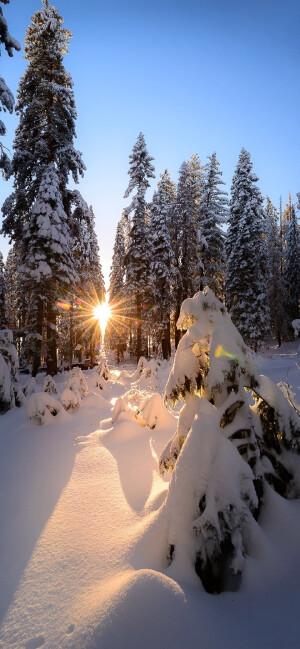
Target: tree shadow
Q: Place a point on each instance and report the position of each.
(131, 446)
(35, 465)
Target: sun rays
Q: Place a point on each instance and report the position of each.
(95, 316)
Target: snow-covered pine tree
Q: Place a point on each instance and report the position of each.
(10, 391)
(275, 284)
(286, 215)
(117, 270)
(225, 451)
(90, 285)
(6, 96)
(291, 263)
(197, 181)
(95, 257)
(116, 290)
(246, 274)
(137, 260)
(213, 213)
(85, 250)
(184, 228)
(3, 307)
(162, 262)
(45, 132)
(46, 265)
(14, 291)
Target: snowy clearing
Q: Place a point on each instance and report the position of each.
(83, 557)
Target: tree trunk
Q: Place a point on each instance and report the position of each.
(71, 334)
(36, 358)
(166, 342)
(177, 331)
(138, 326)
(92, 353)
(51, 341)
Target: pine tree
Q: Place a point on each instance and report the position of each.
(44, 137)
(85, 250)
(117, 327)
(184, 234)
(14, 291)
(6, 96)
(10, 391)
(162, 262)
(224, 451)
(117, 271)
(197, 182)
(246, 274)
(275, 285)
(3, 307)
(213, 212)
(291, 272)
(94, 258)
(90, 287)
(46, 264)
(137, 261)
(286, 216)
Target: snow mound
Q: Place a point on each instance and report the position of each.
(123, 611)
(70, 399)
(102, 369)
(29, 387)
(153, 411)
(296, 327)
(149, 376)
(134, 397)
(5, 386)
(120, 406)
(142, 363)
(77, 382)
(49, 385)
(42, 408)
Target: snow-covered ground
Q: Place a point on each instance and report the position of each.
(83, 557)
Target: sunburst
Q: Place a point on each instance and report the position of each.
(102, 313)
(94, 316)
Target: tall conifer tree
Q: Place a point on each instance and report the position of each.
(246, 276)
(213, 212)
(46, 264)
(137, 260)
(184, 233)
(275, 284)
(43, 142)
(117, 271)
(14, 290)
(162, 262)
(291, 266)
(117, 328)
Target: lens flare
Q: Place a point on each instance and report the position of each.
(63, 305)
(220, 351)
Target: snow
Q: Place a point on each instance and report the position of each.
(85, 517)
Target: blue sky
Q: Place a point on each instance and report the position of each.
(194, 76)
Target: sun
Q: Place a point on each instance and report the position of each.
(102, 312)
